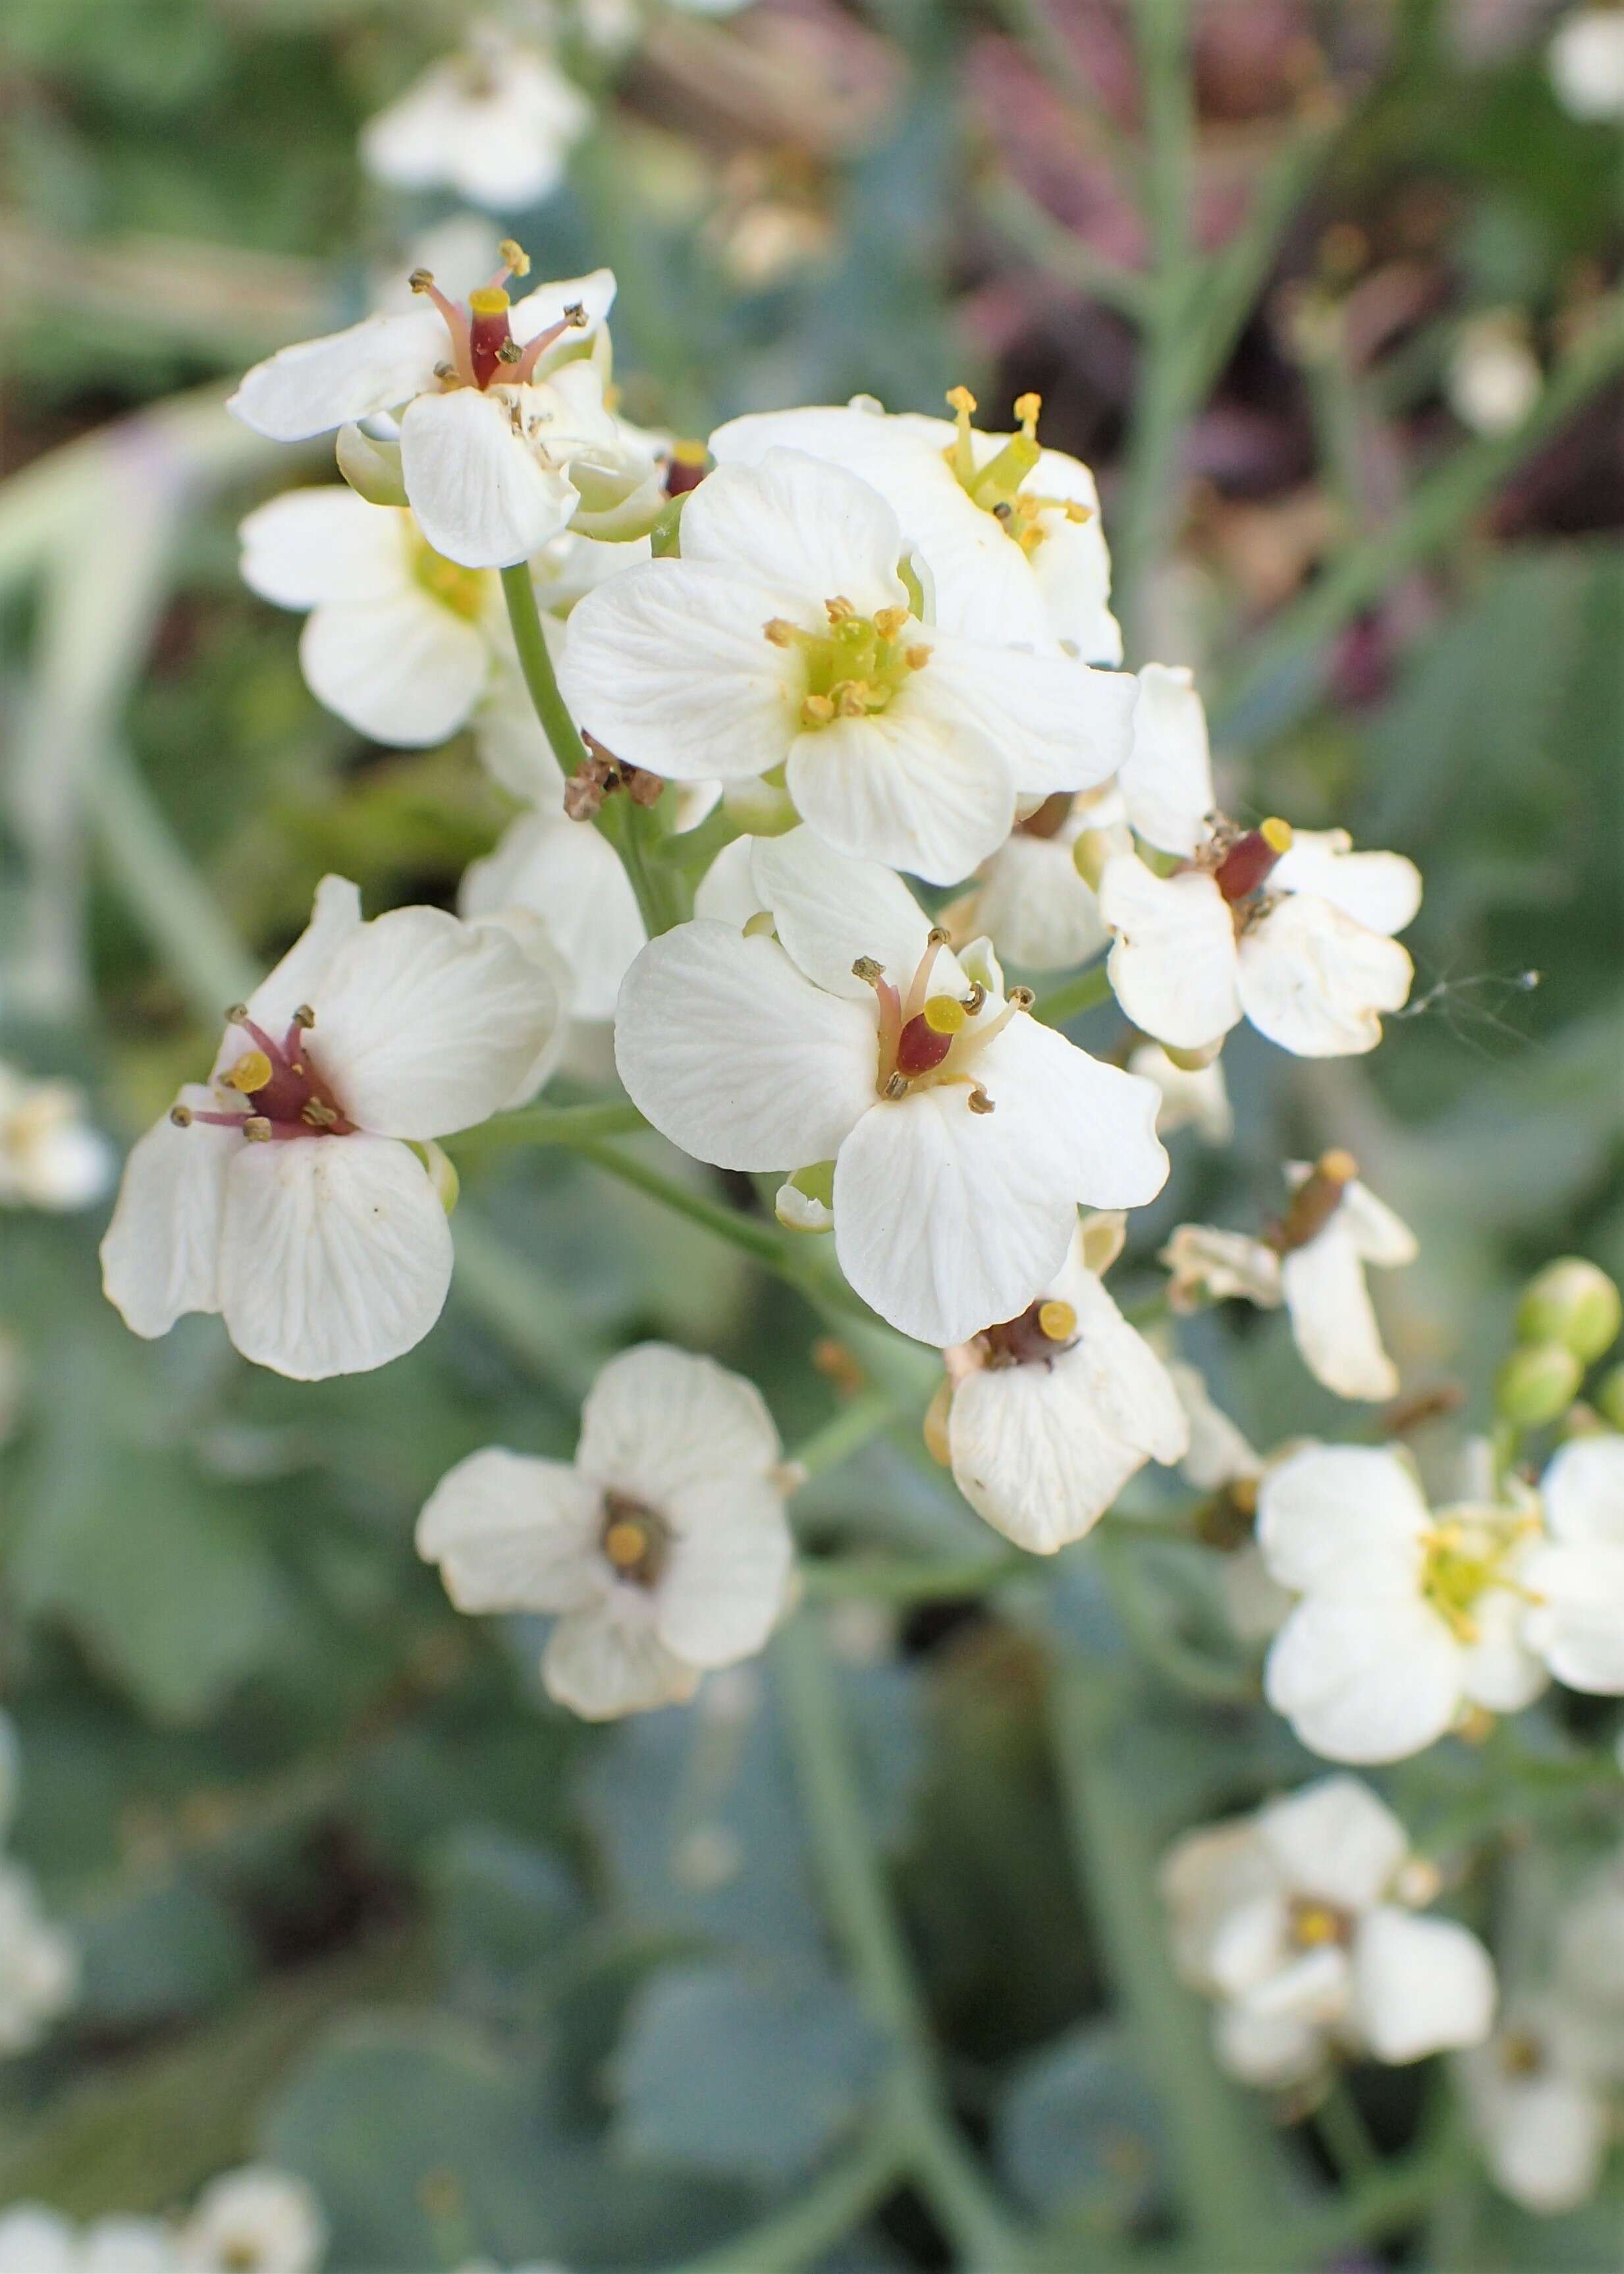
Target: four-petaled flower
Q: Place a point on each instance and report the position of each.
(494, 123)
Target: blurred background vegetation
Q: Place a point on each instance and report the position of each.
(349, 1892)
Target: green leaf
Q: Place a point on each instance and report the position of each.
(1080, 2135)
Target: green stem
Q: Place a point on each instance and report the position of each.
(520, 1307)
(908, 1579)
(548, 1124)
(846, 1433)
(810, 2228)
(1074, 996)
(1340, 2125)
(537, 664)
(1061, 254)
(861, 1910)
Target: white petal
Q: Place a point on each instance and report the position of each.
(1315, 981)
(511, 1532)
(1381, 1237)
(1205, 1877)
(1251, 1941)
(1267, 2049)
(1167, 781)
(1071, 566)
(659, 1421)
(1576, 1624)
(334, 1254)
(609, 1660)
(1209, 1264)
(1036, 907)
(1087, 1128)
(481, 492)
(564, 872)
(318, 385)
(726, 893)
(334, 920)
(541, 307)
(1421, 1985)
(1173, 966)
(405, 670)
(1498, 1670)
(1333, 1321)
(1545, 2137)
(509, 739)
(1058, 724)
(1196, 1096)
(720, 1596)
(326, 543)
(1219, 1452)
(735, 1056)
(829, 909)
(1333, 1516)
(1365, 1679)
(917, 785)
(160, 1256)
(669, 668)
(797, 521)
(1582, 1489)
(1380, 891)
(1127, 1383)
(425, 1025)
(1313, 1986)
(1335, 1841)
(1032, 1453)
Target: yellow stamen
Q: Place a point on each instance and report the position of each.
(515, 257)
(1315, 1926)
(889, 621)
(944, 1015)
(840, 610)
(1027, 410)
(1057, 1320)
(917, 656)
(252, 1071)
(817, 711)
(961, 400)
(626, 1543)
(1276, 834)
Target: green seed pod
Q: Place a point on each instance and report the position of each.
(1536, 1385)
(1574, 1303)
(1608, 1397)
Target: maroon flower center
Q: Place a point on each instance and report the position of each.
(283, 1089)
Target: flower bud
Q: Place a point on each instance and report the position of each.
(1607, 1397)
(1574, 1303)
(1535, 1384)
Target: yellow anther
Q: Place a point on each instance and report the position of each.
(851, 699)
(1338, 1166)
(817, 711)
(626, 1543)
(944, 1015)
(420, 279)
(1316, 1924)
(490, 300)
(780, 632)
(961, 400)
(252, 1071)
(575, 317)
(1076, 511)
(917, 656)
(1057, 1320)
(257, 1129)
(515, 257)
(1027, 410)
(889, 621)
(840, 610)
(1276, 834)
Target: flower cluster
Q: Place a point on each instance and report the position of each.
(257, 2220)
(39, 1962)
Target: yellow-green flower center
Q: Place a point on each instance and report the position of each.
(996, 486)
(1465, 1554)
(855, 667)
(462, 590)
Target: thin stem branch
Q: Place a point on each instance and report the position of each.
(1074, 997)
(908, 1579)
(536, 663)
(549, 1124)
(828, 2211)
(1342, 2127)
(846, 1433)
(1062, 254)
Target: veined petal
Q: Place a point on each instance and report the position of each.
(916, 785)
(1315, 981)
(1033, 1454)
(511, 1532)
(1364, 1678)
(829, 909)
(482, 493)
(1576, 1621)
(1058, 724)
(610, 1661)
(427, 1025)
(1582, 1489)
(1336, 1841)
(567, 875)
(1332, 1320)
(1381, 1237)
(670, 667)
(1173, 967)
(334, 920)
(160, 1257)
(721, 1595)
(659, 1421)
(1167, 781)
(404, 670)
(334, 1254)
(1380, 891)
(799, 521)
(1420, 1985)
(735, 1056)
(318, 385)
(1032, 901)
(1086, 1130)
(326, 543)
(1342, 1515)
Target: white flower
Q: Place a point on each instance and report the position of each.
(253, 2221)
(1291, 1920)
(502, 442)
(1542, 2119)
(287, 1195)
(564, 872)
(495, 124)
(50, 1157)
(1493, 378)
(663, 1548)
(1053, 1411)
(1193, 1096)
(1586, 63)
(34, 2240)
(1166, 782)
(1010, 531)
(1032, 899)
(1291, 932)
(1315, 1262)
(1218, 1453)
(786, 637)
(1575, 1620)
(1406, 1620)
(38, 1964)
(964, 1133)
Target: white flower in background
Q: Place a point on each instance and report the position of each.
(662, 1548)
(1586, 63)
(35, 2240)
(1166, 782)
(784, 635)
(1219, 1454)
(1575, 1578)
(495, 124)
(253, 2221)
(964, 1133)
(1541, 2116)
(563, 872)
(1492, 377)
(1051, 1413)
(1295, 1920)
(50, 1156)
(1034, 898)
(504, 436)
(1292, 932)
(286, 1195)
(1010, 531)
(38, 1964)
(1407, 1620)
(1193, 1097)
(1313, 1261)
